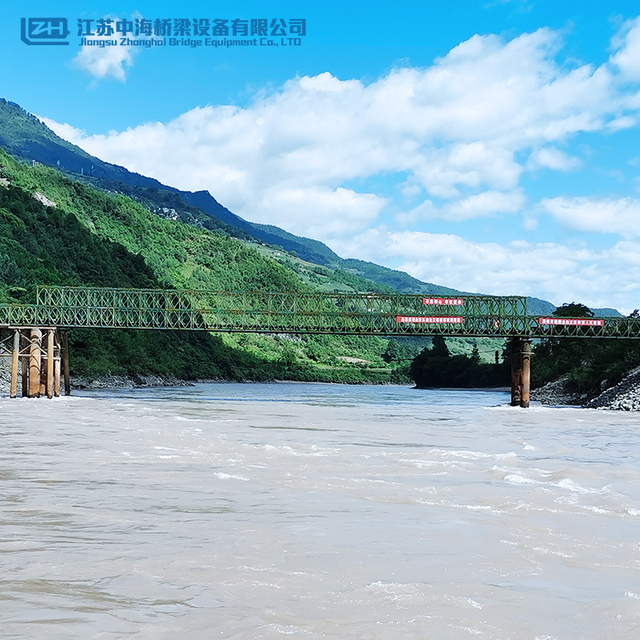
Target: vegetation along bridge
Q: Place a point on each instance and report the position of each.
(36, 334)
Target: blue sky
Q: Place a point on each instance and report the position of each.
(486, 146)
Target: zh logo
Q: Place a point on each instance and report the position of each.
(44, 31)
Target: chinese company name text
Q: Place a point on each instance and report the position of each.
(174, 32)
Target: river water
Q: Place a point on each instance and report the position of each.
(317, 511)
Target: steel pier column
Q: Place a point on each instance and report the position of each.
(520, 372)
(516, 370)
(525, 377)
(50, 363)
(25, 370)
(35, 363)
(64, 354)
(13, 391)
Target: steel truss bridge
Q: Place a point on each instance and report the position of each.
(25, 329)
(311, 313)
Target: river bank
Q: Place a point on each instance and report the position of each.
(624, 396)
(138, 381)
(102, 382)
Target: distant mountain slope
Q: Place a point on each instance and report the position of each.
(54, 230)
(26, 137)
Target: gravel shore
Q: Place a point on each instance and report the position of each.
(624, 396)
(104, 382)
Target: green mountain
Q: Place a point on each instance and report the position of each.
(25, 137)
(55, 230)
(112, 227)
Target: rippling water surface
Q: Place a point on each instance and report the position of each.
(317, 511)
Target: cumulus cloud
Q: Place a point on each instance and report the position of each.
(453, 129)
(108, 61)
(105, 62)
(555, 272)
(552, 158)
(480, 205)
(458, 135)
(620, 216)
(627, 56)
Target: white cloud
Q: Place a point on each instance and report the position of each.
(627, 57)
(105, 60)
(554, 272)
(552, 158)
(488, 203)
(322, 213)
(65, 131)
(459, 133)
(453, 128)
(621, 216)
(480, 205)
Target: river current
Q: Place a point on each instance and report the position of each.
(317, 511)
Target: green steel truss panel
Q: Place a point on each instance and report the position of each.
(332, 313)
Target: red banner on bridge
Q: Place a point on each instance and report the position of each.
(573, 322)
(452, 301)
(430, 319)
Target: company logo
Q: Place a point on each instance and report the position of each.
(44, 31)
(171, 32)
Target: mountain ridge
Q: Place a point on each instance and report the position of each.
(26, 137)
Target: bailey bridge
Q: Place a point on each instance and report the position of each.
(35, 334)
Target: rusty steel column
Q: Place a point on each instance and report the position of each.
(15, 358)
(34, 364)
(49, 385)
(516, 370)
(56, 367)
(64, 354)
(43, 369)
(25, 370)
(525, 379)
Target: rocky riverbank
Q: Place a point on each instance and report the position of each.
(128, 382)
(104, 382)
(557, 393)
(624, 396)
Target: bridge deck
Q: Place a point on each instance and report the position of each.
(330, 313)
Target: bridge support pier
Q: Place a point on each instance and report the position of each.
(35, 363)
(520, 371)
(40, 351)
(64, 353)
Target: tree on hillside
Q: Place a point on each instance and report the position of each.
(591, 365)
(437, 368)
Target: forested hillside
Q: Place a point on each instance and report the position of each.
(93, 238)
(27, 138)
(112, 227)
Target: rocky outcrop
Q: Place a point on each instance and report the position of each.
(557, 393)
(624, 396)
(40, 197)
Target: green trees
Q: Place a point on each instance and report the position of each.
(590, 365)
(99, 239)
(437, 368)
